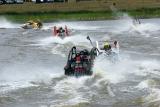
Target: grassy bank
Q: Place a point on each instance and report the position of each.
(81, 15)
(96, 10)
(146, 12)
(55, 16)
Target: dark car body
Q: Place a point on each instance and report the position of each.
(2, 2)
(83, 66)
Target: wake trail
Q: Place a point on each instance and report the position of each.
(8, 24)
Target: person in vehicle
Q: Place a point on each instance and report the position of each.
(81, 62)
(78, 65)
(115, 44)
(107, 47)
(61, 32)
(33, 24)
(115, 47)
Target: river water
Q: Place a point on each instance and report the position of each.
(32, 63)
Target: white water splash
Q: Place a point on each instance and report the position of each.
(153, 99)
(118, 72)
(129, 23)
(71, 25)
(19, 76)
(7, 24)
(75, 40)
(68, 88)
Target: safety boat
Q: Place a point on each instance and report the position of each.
(31, 24)
(80, 62)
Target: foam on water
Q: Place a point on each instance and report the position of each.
(74, 90)
(7, 24)
(56, 50)
(104, 70)
(130, 24)
(70, 25)
(153, 99)
(75, 40)
(69, 87)
(20, 76)
(118, 72)
(126, 70)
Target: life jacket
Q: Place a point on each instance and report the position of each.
(79, 66)
(78, 59)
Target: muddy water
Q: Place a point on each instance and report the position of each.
(32, 62)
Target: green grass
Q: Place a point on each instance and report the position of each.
(54, 16)
(146, 12)
(97, 10)
(80, 15)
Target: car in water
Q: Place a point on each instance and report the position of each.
(32, 24)
(80, 62)
(61, 32)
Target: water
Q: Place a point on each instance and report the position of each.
(32, 62)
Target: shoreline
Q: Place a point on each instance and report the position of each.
(81, 15)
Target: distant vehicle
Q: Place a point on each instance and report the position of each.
(39, 1)
(19, 1)
(59, 0)
(43, 1)
(9, 1)
(2, 2)
(60, 32)
(50, 1)
(32, 24)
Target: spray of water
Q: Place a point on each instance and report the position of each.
(119, 71)
(153, 99)
(105, 72)
(68, 87)
(76, 39)
(71, 26)
(132, 25)
(20, 76)
(7, 24)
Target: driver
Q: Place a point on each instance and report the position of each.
(60, 30)
(107, 46)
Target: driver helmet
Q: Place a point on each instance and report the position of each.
(106, 45)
